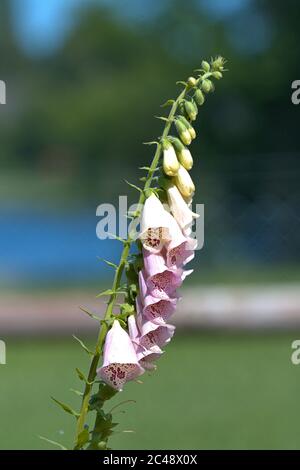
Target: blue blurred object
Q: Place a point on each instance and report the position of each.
(49, 247)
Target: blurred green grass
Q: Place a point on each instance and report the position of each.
(211, 391)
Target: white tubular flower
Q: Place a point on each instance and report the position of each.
(184, 182)
(154, 225)
(179, 208)
(170, 162)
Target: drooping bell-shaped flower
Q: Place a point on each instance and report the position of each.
(154, 308)
(161, 280)
(145, 356)
(154, 336)
(154, 225)
(179, 208)
(180, 249)
(184, 182)
(120, 362)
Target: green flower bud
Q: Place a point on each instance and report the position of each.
(177, 144)
(185, 158)
(199, 97)
(218, 63)
(191, 110)
(189, 127)
(206, 85)
(205, 65)
(191, 81)
(183, 132)
(170, 162)
(218, 75)
(184, 182)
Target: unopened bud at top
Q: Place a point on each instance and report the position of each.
(218, 63)
(184, 182)
(170, 162)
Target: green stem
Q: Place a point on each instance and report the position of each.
(117, 278)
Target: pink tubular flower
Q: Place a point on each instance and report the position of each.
(145, 356)
(161, 280)
(120, 362)
(154, 336)
(154, 225)
(180, 249)
(151, 307)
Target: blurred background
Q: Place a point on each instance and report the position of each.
(84, 81)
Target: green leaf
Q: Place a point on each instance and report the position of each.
(82, 376)
(134, 186)
(115, 237)
(65, 407)
(181, 82)
(77, 392)
(83, 438)
(106, 292)
(54, 443)
(90, 353)
(153, 142)
(109, 263)
(91, 315)
(167, 103)
(162, 118)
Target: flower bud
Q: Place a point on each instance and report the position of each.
(206, 85)
(205, 65)
(170, 162)
(191, 110)
(185, 158)
(189, 127)
(218, 75)
(218, 63)
(177, 144)
(199, 97)
(183, 154)
(184, 182)
(192, 132)
(191, 81)
(183, 132)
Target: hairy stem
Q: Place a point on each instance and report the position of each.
(117, 278)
